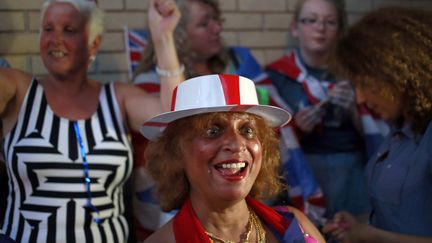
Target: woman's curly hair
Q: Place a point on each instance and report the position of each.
(216, 63)
(391, 47)
(164, 158)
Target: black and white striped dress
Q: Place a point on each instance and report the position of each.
(47, 195)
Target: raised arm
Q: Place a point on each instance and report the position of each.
(140, 106)
(13, 86)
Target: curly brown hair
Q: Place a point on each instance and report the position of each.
(390, 48)
(216, 63)
(165, 158)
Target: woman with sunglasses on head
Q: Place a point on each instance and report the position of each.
(66, 135)
(212, 158)
(325, 113)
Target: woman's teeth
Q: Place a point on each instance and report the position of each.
(234, 165)
(58, 54)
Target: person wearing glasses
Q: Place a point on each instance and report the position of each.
(325, 115)
(65, 135)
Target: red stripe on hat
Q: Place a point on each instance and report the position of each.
(173, 99)
(155, 124)
(231, 88)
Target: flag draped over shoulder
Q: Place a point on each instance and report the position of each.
(303, 189)
(300, 176)
(374, 128)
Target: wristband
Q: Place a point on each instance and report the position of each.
(169, 73)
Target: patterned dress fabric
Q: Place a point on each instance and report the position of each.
(48, 200)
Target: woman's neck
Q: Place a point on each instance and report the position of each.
(201, 68)
(224, 221)
(318, 60)
(66, 85)
(71, 100)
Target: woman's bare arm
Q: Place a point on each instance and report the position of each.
(140, 106)
(13, 87)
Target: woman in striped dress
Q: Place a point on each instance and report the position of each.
(65, 135)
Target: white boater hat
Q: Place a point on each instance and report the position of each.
(214, 93)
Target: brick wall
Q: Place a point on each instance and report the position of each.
(262, 25)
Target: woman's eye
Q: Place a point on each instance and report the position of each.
(248, 131)
(47, 29)
(331, 22)
(70, 30)
(213, 131)
(204, 24)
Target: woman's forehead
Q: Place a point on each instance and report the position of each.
(62, 11)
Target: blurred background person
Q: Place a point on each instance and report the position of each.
(387, 55)
(212, 157)
(66, 141)
(325, 113)
(201, 51)
(200, 46)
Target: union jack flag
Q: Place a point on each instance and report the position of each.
(303, 189)
(136, 41)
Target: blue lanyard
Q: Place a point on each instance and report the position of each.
(87, 180)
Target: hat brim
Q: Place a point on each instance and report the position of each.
(275, 117)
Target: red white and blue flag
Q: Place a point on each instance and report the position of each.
(302, 189)
(136, 41)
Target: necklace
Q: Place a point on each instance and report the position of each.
(260, 232)
(245, 235)
(252, 221)
(87, 179)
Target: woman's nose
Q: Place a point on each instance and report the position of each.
(234, 141)
(216, 26)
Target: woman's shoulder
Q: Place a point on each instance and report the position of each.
(306, 225)
(14, 75)
(165, 234)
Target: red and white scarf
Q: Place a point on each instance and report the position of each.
(188, 229)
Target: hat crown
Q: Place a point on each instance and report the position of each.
(214, 93)
(214, 90)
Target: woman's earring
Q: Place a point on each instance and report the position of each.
(92, 58)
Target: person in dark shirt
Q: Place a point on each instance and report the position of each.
(392, 74)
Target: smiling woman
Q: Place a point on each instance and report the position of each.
(212, 157)
(202, 51)
(66, 143)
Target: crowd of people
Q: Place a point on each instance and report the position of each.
(202, 153)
